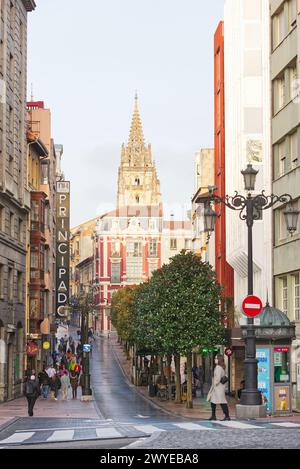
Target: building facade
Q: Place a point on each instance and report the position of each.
(248, 140)
(202, 245)
(42, 299)
(133, 241)
(285, 52)
(224, 272)
(14, 194)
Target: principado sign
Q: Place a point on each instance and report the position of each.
(252, 306)
(62, 249)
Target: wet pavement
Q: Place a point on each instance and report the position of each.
(115, 398)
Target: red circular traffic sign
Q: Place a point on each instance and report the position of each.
(228, 352)
(252, 306)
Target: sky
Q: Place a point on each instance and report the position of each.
(87, 59)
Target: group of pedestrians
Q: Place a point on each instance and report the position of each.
(63, 374)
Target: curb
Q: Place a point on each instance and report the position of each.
(6, 425)
(155, 436)
(154, 404)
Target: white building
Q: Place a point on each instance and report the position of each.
(247, 127)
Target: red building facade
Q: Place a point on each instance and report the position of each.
(225, 273)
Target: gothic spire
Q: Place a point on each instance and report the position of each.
(136, 131)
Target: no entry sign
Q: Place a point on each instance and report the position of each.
(252, 306)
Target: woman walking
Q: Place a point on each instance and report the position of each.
(216, 393)
(74, 383)
(65, 384)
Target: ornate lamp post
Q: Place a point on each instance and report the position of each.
(249, 207)
(86, 305)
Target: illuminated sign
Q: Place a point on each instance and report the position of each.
(62, 247)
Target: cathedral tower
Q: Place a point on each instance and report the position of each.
(138, 183)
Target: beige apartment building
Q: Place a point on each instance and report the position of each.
(204, 177)
(285, 71)
(14, 193)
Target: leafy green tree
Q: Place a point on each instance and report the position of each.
(177, 311)
(121, 306)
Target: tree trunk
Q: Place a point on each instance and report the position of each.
(189, 397)
(162, 373)
(178, 379)
(168, 375)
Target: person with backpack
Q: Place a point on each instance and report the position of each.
(31, 391)
(44, 381)
(55, 385)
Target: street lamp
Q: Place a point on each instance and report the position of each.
(86, 305)
(250, 208)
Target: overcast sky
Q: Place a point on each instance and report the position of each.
(86, 59)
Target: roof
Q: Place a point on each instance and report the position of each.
(273, 317)
(146, 211)
(177, 225)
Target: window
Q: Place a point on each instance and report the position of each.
(45, 173)
(115, 249)
(292, 13)
(282, 158)
(284, 295)
(294, 149)
(20, 287)
(153, 248)
(278, 94)
(20, 230)
(152, 268)
(1, 279)
(2, 218)
(137, 182)
(11, 224)
(116, 273)
(10, 293)
(297, 296)
(173, 243)
(187, 244)
(152, 224)
(134, 249)
(279, 28)
(34, 260)
(293, 82)
(134, 270)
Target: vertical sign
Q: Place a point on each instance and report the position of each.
(263, 377)
(62, 247)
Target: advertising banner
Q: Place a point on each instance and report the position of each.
(263, 376)
(282, 399)
(62, 247)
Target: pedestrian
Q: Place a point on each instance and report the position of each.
(31, 391)
(65, 385)
(77, 369)
(55, 386)
(44, 382)
(54, 357)
(216, 394)
(50, 370)
(74, 383)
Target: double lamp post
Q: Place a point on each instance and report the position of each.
(249, 208)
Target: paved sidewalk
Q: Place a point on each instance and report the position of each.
(201, 408)
(48, 408)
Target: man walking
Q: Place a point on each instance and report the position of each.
(32, 392)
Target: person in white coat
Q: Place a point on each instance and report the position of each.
(216, 394)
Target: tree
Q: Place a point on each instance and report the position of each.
(177, 311)
(121, 306)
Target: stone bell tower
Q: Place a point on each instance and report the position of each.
(138, 183)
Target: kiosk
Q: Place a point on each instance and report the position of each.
(274, 334)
